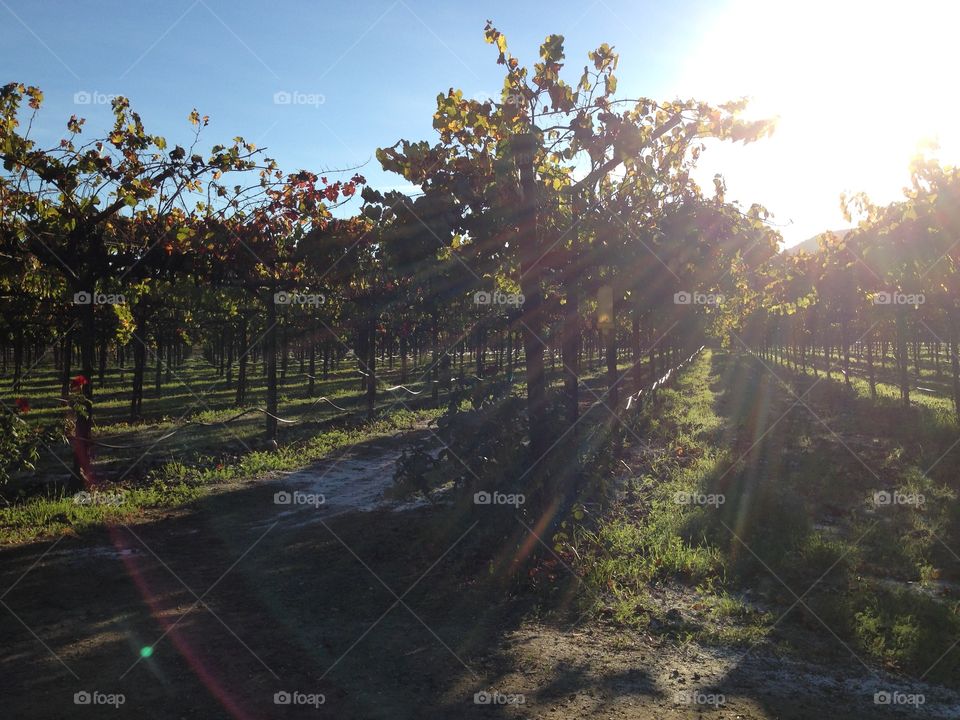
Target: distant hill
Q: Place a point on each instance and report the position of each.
(812, 245)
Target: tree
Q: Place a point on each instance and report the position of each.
(514, 161)
(67, 205)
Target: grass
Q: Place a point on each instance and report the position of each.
(59, 514)
(194, 393)
(798, 519)
(175, 483)
(194, 407)
(654, 536)
(739, 500)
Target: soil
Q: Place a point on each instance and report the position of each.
(380, 609)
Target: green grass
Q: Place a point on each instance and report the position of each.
(57, 514)
(650, 538)
(154, 471)
(194, 393)
(799, 514)
(176, 483)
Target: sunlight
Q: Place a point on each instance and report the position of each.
(435, 428)
(858, 88)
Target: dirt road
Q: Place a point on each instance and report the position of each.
(250, 604)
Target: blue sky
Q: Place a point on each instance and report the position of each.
(367, 74)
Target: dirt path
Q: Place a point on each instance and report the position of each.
(209, 613)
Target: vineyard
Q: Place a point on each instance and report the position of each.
(560, 433)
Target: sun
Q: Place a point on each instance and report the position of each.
(858, 89)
